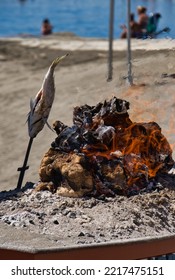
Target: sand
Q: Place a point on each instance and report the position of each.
(80, 79)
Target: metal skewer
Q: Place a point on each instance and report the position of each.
(24, 167)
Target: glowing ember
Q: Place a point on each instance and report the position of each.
(104, 152)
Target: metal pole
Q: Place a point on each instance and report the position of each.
(130, 80)
(111, 31)
(24, 167)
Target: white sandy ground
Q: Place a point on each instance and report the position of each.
(77, 83)
(87, 44)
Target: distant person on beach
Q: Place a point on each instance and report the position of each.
(153, 23)
(46, 28)
(143, 18)
(134, 26)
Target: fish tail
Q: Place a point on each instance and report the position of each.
(57, 60)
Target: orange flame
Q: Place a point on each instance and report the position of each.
(143, 141)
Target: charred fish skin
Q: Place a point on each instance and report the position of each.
(40, 107)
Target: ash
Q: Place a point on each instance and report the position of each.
(72, 221)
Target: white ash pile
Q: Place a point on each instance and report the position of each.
(68, 221)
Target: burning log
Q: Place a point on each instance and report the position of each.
(104, 153)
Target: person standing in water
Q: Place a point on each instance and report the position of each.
(46, 28)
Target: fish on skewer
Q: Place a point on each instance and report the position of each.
(40, 107)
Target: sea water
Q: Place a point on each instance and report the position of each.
(88, 18)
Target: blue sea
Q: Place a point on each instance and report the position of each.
(89, 18)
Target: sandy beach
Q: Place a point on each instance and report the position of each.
(79, 79)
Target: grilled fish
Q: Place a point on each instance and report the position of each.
(40, 107)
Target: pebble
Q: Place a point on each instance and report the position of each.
(54, 211)
(71, 214)
(55, 222)
(65, 212)
(81, 234)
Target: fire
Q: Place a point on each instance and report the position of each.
(143, 140)
(113, 153)
(141, 147)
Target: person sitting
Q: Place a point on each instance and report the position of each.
(153, 23)
(143, 18)
(134, 28)
(46, 27)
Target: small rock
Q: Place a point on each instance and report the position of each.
(80, 242)
(56, 222)
(72, 215)
(65, 212)
(89, 234)
(81, 234)
(54, 211)
(137, 222)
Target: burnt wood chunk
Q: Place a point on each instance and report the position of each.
(104, 153)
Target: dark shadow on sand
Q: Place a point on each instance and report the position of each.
(5, 195)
